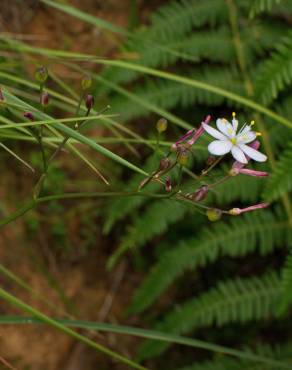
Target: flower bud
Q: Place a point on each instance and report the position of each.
(210, 160)
(200, 193)
(89, 102)
(161, 125)
(164, 164)
(174, 148)
(44, 99)
(86, 83)
(168, 186)
(29, 116)
(183, 157)
(41, 74)
(214, 214)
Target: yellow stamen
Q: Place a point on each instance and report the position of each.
(233, 140)
(233, 114)
(252, 123)
(258, 134)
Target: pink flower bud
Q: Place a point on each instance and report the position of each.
(200, 193)
(168, 186)
(89, 102)
(29, 116)
(255, 173)
(44, 99)
(199, 132)
(238, 211)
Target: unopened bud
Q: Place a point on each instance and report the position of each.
(86, 83)
(174, 148)
(89, 102)
(29, 116)
(200, 193)
(161, 125)
(168, 186)
(214, 214)
(44, 99)
(41, 74)
(183, 158)
(164, 164)
(210, 160)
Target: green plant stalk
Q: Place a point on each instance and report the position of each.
(250, 92)
(150, 334)
(161, 74)
(61, 327)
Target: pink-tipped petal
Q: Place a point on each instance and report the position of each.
(238, 154)
(249, 172)
(219, 147)
(252, 153)
(213, 132)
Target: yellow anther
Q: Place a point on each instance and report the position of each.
(258, 134)
(224, 120)
(233, 114)
(252, 123)
(230, 131)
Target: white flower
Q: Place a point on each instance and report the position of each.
(230, 141)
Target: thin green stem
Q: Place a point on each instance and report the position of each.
(61, 327)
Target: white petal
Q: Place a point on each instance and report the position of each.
(219, 147)
(247, 137)
(225, 127)
(245, 128)
(215, 133)
(252, 153)
(238, 154)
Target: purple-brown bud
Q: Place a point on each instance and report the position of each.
(89, 102)
(164, 164)
(44, 99)
(29, 116)
(168, 186)
(200, 193)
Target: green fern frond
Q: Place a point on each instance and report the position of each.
(177, 18)
(260, 6)
(119, 208)
(156, 219)
(168, 94)
(286, 285)
(280, 352)
(276, 73)
(236, 300)
(281, 180)
(238, 238)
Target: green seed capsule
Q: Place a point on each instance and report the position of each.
(41, 74)
(183, 158)
(86, 83)
(161, 125)
(214, 214)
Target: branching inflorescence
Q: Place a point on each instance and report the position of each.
(242, 144)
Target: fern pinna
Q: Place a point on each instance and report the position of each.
(200, 40)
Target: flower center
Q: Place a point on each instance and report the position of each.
(233, 140)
